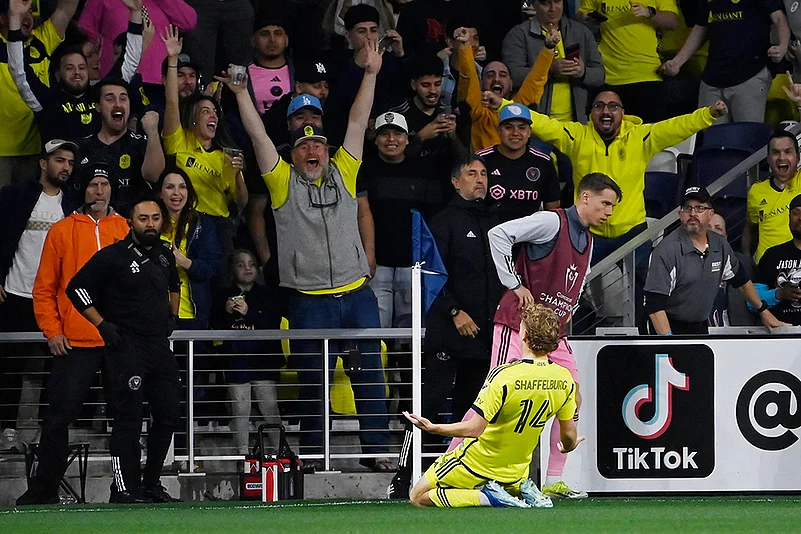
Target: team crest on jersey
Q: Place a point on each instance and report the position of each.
(125, 161)
(571, 276)
(134, 267)
(86, 118)
(135, 382)
(164, 262)
(533, 174)
(497, 191)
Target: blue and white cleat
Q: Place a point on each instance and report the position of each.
(530, 493)
(500, 498)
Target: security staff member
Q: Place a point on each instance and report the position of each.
(686, 270)
(130, 292)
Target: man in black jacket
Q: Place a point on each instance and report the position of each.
(130, 291)
(27, 211)
(459, 324)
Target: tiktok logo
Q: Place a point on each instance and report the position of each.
(650, 424)
(667, 378)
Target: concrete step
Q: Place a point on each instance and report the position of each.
(224, 486)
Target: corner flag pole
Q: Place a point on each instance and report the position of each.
(417, 367)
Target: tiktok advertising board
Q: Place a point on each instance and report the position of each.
(687, 415)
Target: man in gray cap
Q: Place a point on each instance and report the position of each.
(686, 270)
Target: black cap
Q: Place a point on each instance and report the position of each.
(307, 131)
(269, 19)
(360, 13)
(311, 72)
(698, 193)
(796, 202)
(92, 171)
(183, 61)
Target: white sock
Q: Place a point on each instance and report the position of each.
(550, 480)
(483, 499)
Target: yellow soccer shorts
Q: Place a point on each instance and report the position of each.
(448, 471)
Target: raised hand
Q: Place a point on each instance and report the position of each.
(172, 41)
(150, 123)
(18, 8)
(718, 109)
(148, 33)
(491, 100)
(552, 37)
(792, 90)
(227, 79)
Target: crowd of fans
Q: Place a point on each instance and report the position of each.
(288, 142)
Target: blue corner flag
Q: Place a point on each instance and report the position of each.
(424, 250)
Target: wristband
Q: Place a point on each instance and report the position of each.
(669, 334)
(16, 35)
(762, 308)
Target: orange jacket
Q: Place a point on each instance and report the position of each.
(68, 246)
(484, 130)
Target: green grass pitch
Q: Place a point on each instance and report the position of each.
(652, 515)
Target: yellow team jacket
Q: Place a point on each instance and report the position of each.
(624, 159)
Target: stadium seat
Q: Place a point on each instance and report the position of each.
(665, 161)
(662, 191)
(746, 136)
(709, 164)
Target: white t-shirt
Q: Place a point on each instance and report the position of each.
(45, 214)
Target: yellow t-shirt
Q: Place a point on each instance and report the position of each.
(769, 208)
(562, 99)
(628, 43)
(278, 181)
(20, 135)
(212, 176)
(186, 309)
(517, 399)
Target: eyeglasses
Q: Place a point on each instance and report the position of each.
(613, 106)
(697, 209)
(324, 196)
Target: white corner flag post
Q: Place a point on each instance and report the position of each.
(417, 367)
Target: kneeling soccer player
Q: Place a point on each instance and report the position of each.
(490, 467)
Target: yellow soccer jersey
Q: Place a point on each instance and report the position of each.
(768, 208)
(213, 178)
(517, 399)
(628, 43)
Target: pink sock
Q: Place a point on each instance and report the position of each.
(456, 441)
(556, 459)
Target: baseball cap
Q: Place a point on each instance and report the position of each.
(305, 132)
(796, 202)
(698, 193)
(515, 111)
(56, 144)
(303, 101)
(183, 61)
(274, 18)
(394, 120)
(311, 72)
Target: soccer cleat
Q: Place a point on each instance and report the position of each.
(34, 496)
(563, 491)
(399, 487)
(500, 498)
(530, 493)
(158, 494)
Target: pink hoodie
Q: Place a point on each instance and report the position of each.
(107, 19)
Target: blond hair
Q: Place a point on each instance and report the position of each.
(542, 328)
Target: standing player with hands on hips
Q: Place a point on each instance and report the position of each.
(490, 467)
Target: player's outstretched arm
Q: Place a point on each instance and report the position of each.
(568, 435)
(472, 428)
